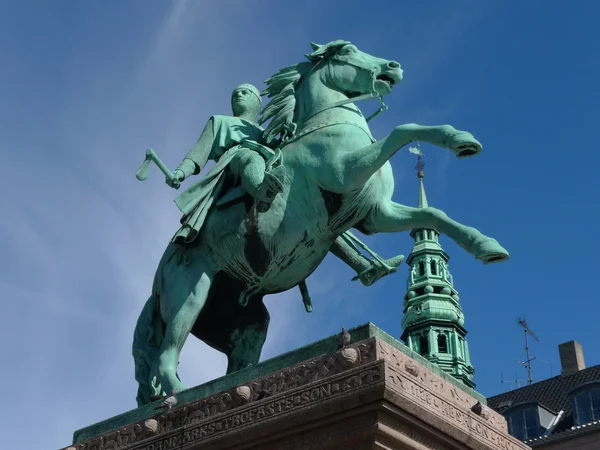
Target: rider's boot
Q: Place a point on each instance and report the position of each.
(270, 187)
(378, 270)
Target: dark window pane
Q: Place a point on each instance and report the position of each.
(515, 423)
(595, 400)
(442, 344)
(523, 424)
(583, 408)
(423, 345)
(531, 420)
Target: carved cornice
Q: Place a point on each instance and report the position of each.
(426, 380)
(260, 389)
(372, 375)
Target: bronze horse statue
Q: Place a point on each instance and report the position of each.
(338, 177)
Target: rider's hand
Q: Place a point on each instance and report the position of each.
(178, 177)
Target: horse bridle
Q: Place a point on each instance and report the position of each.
(372, 94)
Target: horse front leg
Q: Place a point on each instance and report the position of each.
(344, 171)
(186, 281)
(393, 217)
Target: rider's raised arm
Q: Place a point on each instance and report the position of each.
(200, 153)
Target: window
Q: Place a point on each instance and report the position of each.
(423, 345)
(421, 268)
(442, 343)
(523, 424)
(433, 268)
(587, 406)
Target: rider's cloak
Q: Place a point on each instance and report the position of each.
(195, 202)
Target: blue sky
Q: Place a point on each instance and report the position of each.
(86, 87)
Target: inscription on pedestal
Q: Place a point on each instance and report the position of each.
(318, 385)
(259, 389)
(442, 408)
(267, 410)
(434, 383)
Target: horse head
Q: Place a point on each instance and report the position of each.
(337, 73)
(353, 72)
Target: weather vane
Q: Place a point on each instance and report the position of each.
(420, 164)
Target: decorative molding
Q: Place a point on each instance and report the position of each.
(443, 408)
(433, 383)
(262, 388)
(307, 387)
(412, 368)
(255, 414)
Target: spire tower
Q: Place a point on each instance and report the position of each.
(433, 318)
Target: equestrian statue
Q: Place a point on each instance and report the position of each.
(277, 200)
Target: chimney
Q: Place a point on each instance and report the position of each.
(571, 357)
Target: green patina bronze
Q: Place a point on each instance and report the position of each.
(276, 202)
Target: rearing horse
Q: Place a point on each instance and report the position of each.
(338, 177)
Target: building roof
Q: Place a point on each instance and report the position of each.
(552, 393)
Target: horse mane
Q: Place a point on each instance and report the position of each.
(281, 88)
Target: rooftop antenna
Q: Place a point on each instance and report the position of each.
(527, 362)
(516, 381)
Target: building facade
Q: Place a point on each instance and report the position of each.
(560, 413)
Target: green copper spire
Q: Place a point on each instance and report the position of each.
(422, 195)
(433, 319)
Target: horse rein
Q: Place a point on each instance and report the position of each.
(372, 94)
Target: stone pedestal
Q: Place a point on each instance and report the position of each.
(375, 393)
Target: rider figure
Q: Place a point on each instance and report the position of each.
(224, 132)
(234, 143)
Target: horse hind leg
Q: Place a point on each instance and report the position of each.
(393, 217)
(145, 350)
(247, 336)
(183, 295)
(237, 331)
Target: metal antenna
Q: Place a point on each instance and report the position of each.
(527, 362)
(516, 381)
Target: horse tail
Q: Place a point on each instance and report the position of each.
(147, 339)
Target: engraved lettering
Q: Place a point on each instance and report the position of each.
(285, 404)
(314, 394)
(443, 408)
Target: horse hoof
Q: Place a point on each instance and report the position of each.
(465, 145)
(493, 257)
(489, 251)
